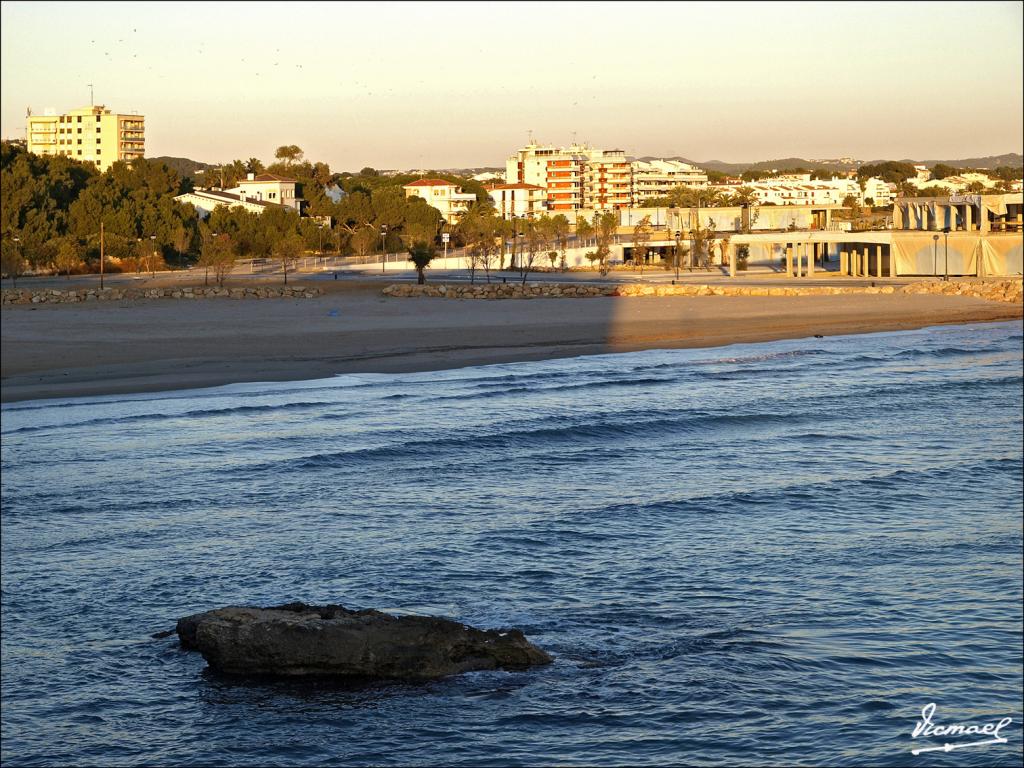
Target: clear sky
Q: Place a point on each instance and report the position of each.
(397, 85)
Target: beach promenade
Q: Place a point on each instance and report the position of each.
(140, 346)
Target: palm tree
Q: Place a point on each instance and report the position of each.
(421, 254)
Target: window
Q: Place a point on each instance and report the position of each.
(79, 141)
(97, 142)
(79, 119)
(97, 118)
(99, 151)
(97, 129)
(79, 151)
(79, 130)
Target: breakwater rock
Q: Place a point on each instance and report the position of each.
(73, 296)
(997, 290)
(297, 640)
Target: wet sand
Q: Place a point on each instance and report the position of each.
(142, 346)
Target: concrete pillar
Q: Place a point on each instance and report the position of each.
(983, 223)
(732, 260)
(789, 260)
(844, 262)
(797, 257)
(968, 211)
(878, 261)
(812, 249)
(854, 263)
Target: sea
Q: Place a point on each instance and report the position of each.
(758, 554)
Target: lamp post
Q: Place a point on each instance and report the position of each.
(515, 234)
(101, 256)
(152, 255)
(383, 255)
(935, 254)
(945, 276)
(17, 250)
(679, 235)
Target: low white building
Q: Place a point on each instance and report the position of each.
(446, 197)
(952, 184)
(267, 187)
(518, 200)
(880, 193)
(205, 200)
(801, 189)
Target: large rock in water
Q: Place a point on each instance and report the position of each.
(298, 640)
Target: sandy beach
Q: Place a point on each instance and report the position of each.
(138, 346)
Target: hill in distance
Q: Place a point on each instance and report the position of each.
(184, 167)
(1012, 159)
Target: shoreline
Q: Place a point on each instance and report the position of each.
(68, 351)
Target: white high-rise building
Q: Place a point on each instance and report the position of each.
(656, 177)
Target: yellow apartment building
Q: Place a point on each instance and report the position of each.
(90, 134)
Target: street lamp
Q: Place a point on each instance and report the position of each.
(152, 251)
(383, 255)
(945, 277)
(679, 235)
(14, 273)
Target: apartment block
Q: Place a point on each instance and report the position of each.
(518, 200)
(446, 197)
(584, 177)
(607, 179)
(574, 177)
(656, 177)
(557, 170)
(89, 134)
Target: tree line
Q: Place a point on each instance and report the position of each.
(53, 207)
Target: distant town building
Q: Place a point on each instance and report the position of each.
(950, 184)
(443, 195)
(655, 178)
(90, 134)
(800, 189)
(518, 200)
